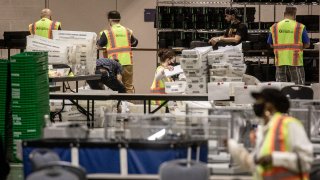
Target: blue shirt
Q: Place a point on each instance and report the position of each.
(113, 66)
(305, 37)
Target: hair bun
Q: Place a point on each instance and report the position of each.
(161, 52)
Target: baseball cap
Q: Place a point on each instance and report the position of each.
(275, 97)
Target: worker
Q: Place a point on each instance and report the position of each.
(110, 71)
(283, 150)
(158, 85)
(237, 31)
(118, 41)
(45, 25)
(288, 38)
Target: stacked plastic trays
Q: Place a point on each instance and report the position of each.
(30, 95)
(3, 94)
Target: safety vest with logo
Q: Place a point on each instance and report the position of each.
(287, 43)
(277, 139)
(158, 86)
(44, 27)
(119, 44)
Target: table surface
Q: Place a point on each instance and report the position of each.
(127, 96)
(156, 177)
(75, 78)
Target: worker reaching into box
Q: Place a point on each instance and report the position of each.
(158, 85)
(111, 77)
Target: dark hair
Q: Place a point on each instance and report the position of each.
(290, 11)
(275, 97)
(233, 11)
(165, 54)
(114, 15)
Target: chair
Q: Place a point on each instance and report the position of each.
(297, 92)
(183, 169)
(58, 170)
(40, 157)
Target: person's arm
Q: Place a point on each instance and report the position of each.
(213, 41)
(270, 41)
(103, 41)
(240, 155)
(30, 28)
(134, 41)
(235, 39)
(305, 39)
(119, 77)
(159, 74)
(241, 33)
(118, 71)
(300, 145)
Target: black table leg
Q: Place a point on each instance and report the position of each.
(88, 115)
(92, 115)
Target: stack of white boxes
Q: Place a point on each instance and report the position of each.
(226, 66)
(83, 53)
(58, 52)
(195, 67)
(75, 48)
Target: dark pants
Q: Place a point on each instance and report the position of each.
(290, 74)
(109, 80)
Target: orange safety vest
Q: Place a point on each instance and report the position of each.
(287, 43)
(277, 139)
(44, 27)
(119, 44)
(158, 86)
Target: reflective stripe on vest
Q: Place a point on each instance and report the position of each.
(276, 139)
(119, 47)
(288, 48)
(158, 86)
(112, 44)
(44, 27)
(282, 173)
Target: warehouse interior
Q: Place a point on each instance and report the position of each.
(205, 122)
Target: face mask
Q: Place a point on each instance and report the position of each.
(258, 109)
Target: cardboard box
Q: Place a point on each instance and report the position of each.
(195, 72)
(195, 80)
(219, 70)
(192, 63)
(196, 88)
(175, 87)
(225, 79)
(237, 70)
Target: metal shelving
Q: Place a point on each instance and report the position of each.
(185, 2)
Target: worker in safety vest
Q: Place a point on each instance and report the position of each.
(45, 25)
(158, 85)
(118, 41)
(288, 39)
(282, 149)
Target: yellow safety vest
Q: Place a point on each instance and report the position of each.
(287, 43)
(44, 27)
(277, 139)
(119, 44)
(158, 86)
